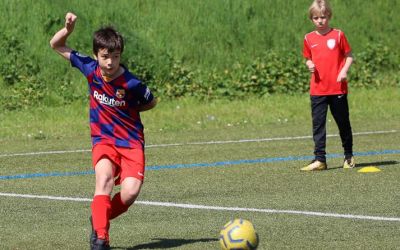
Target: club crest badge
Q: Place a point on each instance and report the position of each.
(95, 81)
(331, 43)
(120, 93)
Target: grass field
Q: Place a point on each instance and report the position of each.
(194, 185)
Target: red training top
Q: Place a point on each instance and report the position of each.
(328, 53)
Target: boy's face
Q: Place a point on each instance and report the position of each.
(108, 62)
(320, 21)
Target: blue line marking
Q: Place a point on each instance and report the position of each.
(196, 165)
(38, 175)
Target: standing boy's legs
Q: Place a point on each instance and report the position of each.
(340, 112)
(319, 108)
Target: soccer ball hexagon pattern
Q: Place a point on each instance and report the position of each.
(238, 234)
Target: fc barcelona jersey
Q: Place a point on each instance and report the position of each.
(114, 118)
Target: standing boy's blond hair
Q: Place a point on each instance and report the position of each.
(320, 7)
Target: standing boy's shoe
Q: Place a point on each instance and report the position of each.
(349, 163)
(315, 165)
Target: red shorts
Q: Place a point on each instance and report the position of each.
(129, 162)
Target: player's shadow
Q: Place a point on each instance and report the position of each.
(367, 164)
(163, 243)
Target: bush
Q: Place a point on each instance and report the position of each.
(21, 86)
(269, 73)
(372, 64)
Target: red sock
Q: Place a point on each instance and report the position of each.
(101, 210)
(117, 206)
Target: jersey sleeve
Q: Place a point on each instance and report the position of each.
(306, 49)
(344, 44)
(143, 93)
(84, 63)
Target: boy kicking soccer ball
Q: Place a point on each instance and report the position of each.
(116, 99)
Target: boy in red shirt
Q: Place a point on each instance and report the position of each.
(328, 58)
(116, 99)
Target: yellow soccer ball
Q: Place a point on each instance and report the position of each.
(238, 234)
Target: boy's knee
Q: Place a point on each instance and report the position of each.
(104, 184)
(129, 197)
(130, 190)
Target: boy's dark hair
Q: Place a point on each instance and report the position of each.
(107, 38)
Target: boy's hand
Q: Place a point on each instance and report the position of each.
(342, 76)
(343, 73)
(70, 20)
(58, 42)
(311, 66)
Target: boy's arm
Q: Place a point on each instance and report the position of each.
(343, 73)
(307, 55)
(147, 106)
(58, 42)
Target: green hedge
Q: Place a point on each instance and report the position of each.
(207, 49)
(271, 72)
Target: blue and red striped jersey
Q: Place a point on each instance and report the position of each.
(114, 118)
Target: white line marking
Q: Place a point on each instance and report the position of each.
(199, 143)
(47, 152)
(46, 197)
(203, 207)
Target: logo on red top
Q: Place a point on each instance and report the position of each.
(331, 43)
